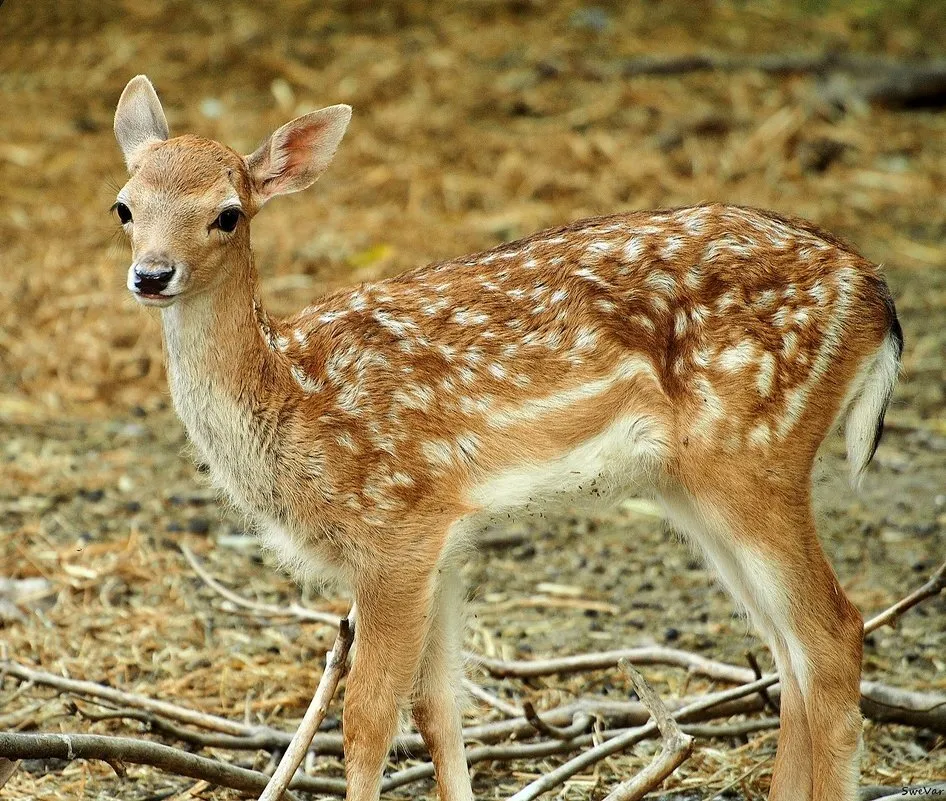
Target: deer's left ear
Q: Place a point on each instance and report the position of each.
(292, 158)
(139, 118)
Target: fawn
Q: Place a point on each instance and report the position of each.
(699, 355)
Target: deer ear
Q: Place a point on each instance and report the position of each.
(292, 158)
(139, 119)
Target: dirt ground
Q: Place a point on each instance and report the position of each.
(475, 123)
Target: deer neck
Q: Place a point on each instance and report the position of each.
(220, 369)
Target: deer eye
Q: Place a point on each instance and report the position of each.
(123, 212)
(227, 220)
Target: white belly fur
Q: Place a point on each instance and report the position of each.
(623, 459)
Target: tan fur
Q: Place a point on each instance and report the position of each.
(700, 355)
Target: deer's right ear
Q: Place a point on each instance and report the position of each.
(139, 119)
(297, 154)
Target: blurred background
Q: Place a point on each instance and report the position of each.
(474, 123)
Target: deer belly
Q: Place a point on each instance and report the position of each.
(625, 457)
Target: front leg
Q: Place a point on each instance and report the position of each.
(392, 621)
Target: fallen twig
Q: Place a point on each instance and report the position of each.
(145, 752)
(757, 670)
(631, 736)
(335, 663)
(509, 710)
(556, 733)
(123, 698)
(7, 769)
(676, 745)
(934, 586)
(292, 610)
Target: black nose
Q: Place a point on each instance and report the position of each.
(153, 279)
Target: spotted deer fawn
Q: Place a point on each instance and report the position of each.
(699, 355)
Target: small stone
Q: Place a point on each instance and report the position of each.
(198, 525)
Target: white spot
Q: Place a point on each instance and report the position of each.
(605, 306)
(790, 345)
(414, 396)
(661, 282)
(586, 339)
(693, 277)
(473, 406)
(670, 247)
(738, 357)
(766, 375)
(358, 302)
(819, 293)
(699, 315)
(402, 479)
(437, 452)
(731, 298)
(710, 407)
(702, 357)
(760, 435)
(307, 383)
(497, 371)
(346, 441)
(633, 249)
(558, 296)
(765, 299)
(592, 276)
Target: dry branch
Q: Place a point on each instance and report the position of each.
(7, 769)
(509, 710)
(632, 736)
(293, 610)
(121, 698)
(116, 750)
(676, 745)
(581, 721)
(335, 663)
(603, 660)
(889, 616)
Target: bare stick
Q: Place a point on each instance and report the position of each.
(509, 710)
(7, 769)
(265, 739)
(632, 736)
(754, 664)
(676, 745)
(604, 660)
(293, 610)
(548, 729)
(122, 698)
(115, 750)
(334, 668)
(934, 586)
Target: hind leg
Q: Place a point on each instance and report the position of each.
(436, 694)
(770, 560)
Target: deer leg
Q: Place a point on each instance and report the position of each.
(770, 560)
(437, 696)
(390, 631)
